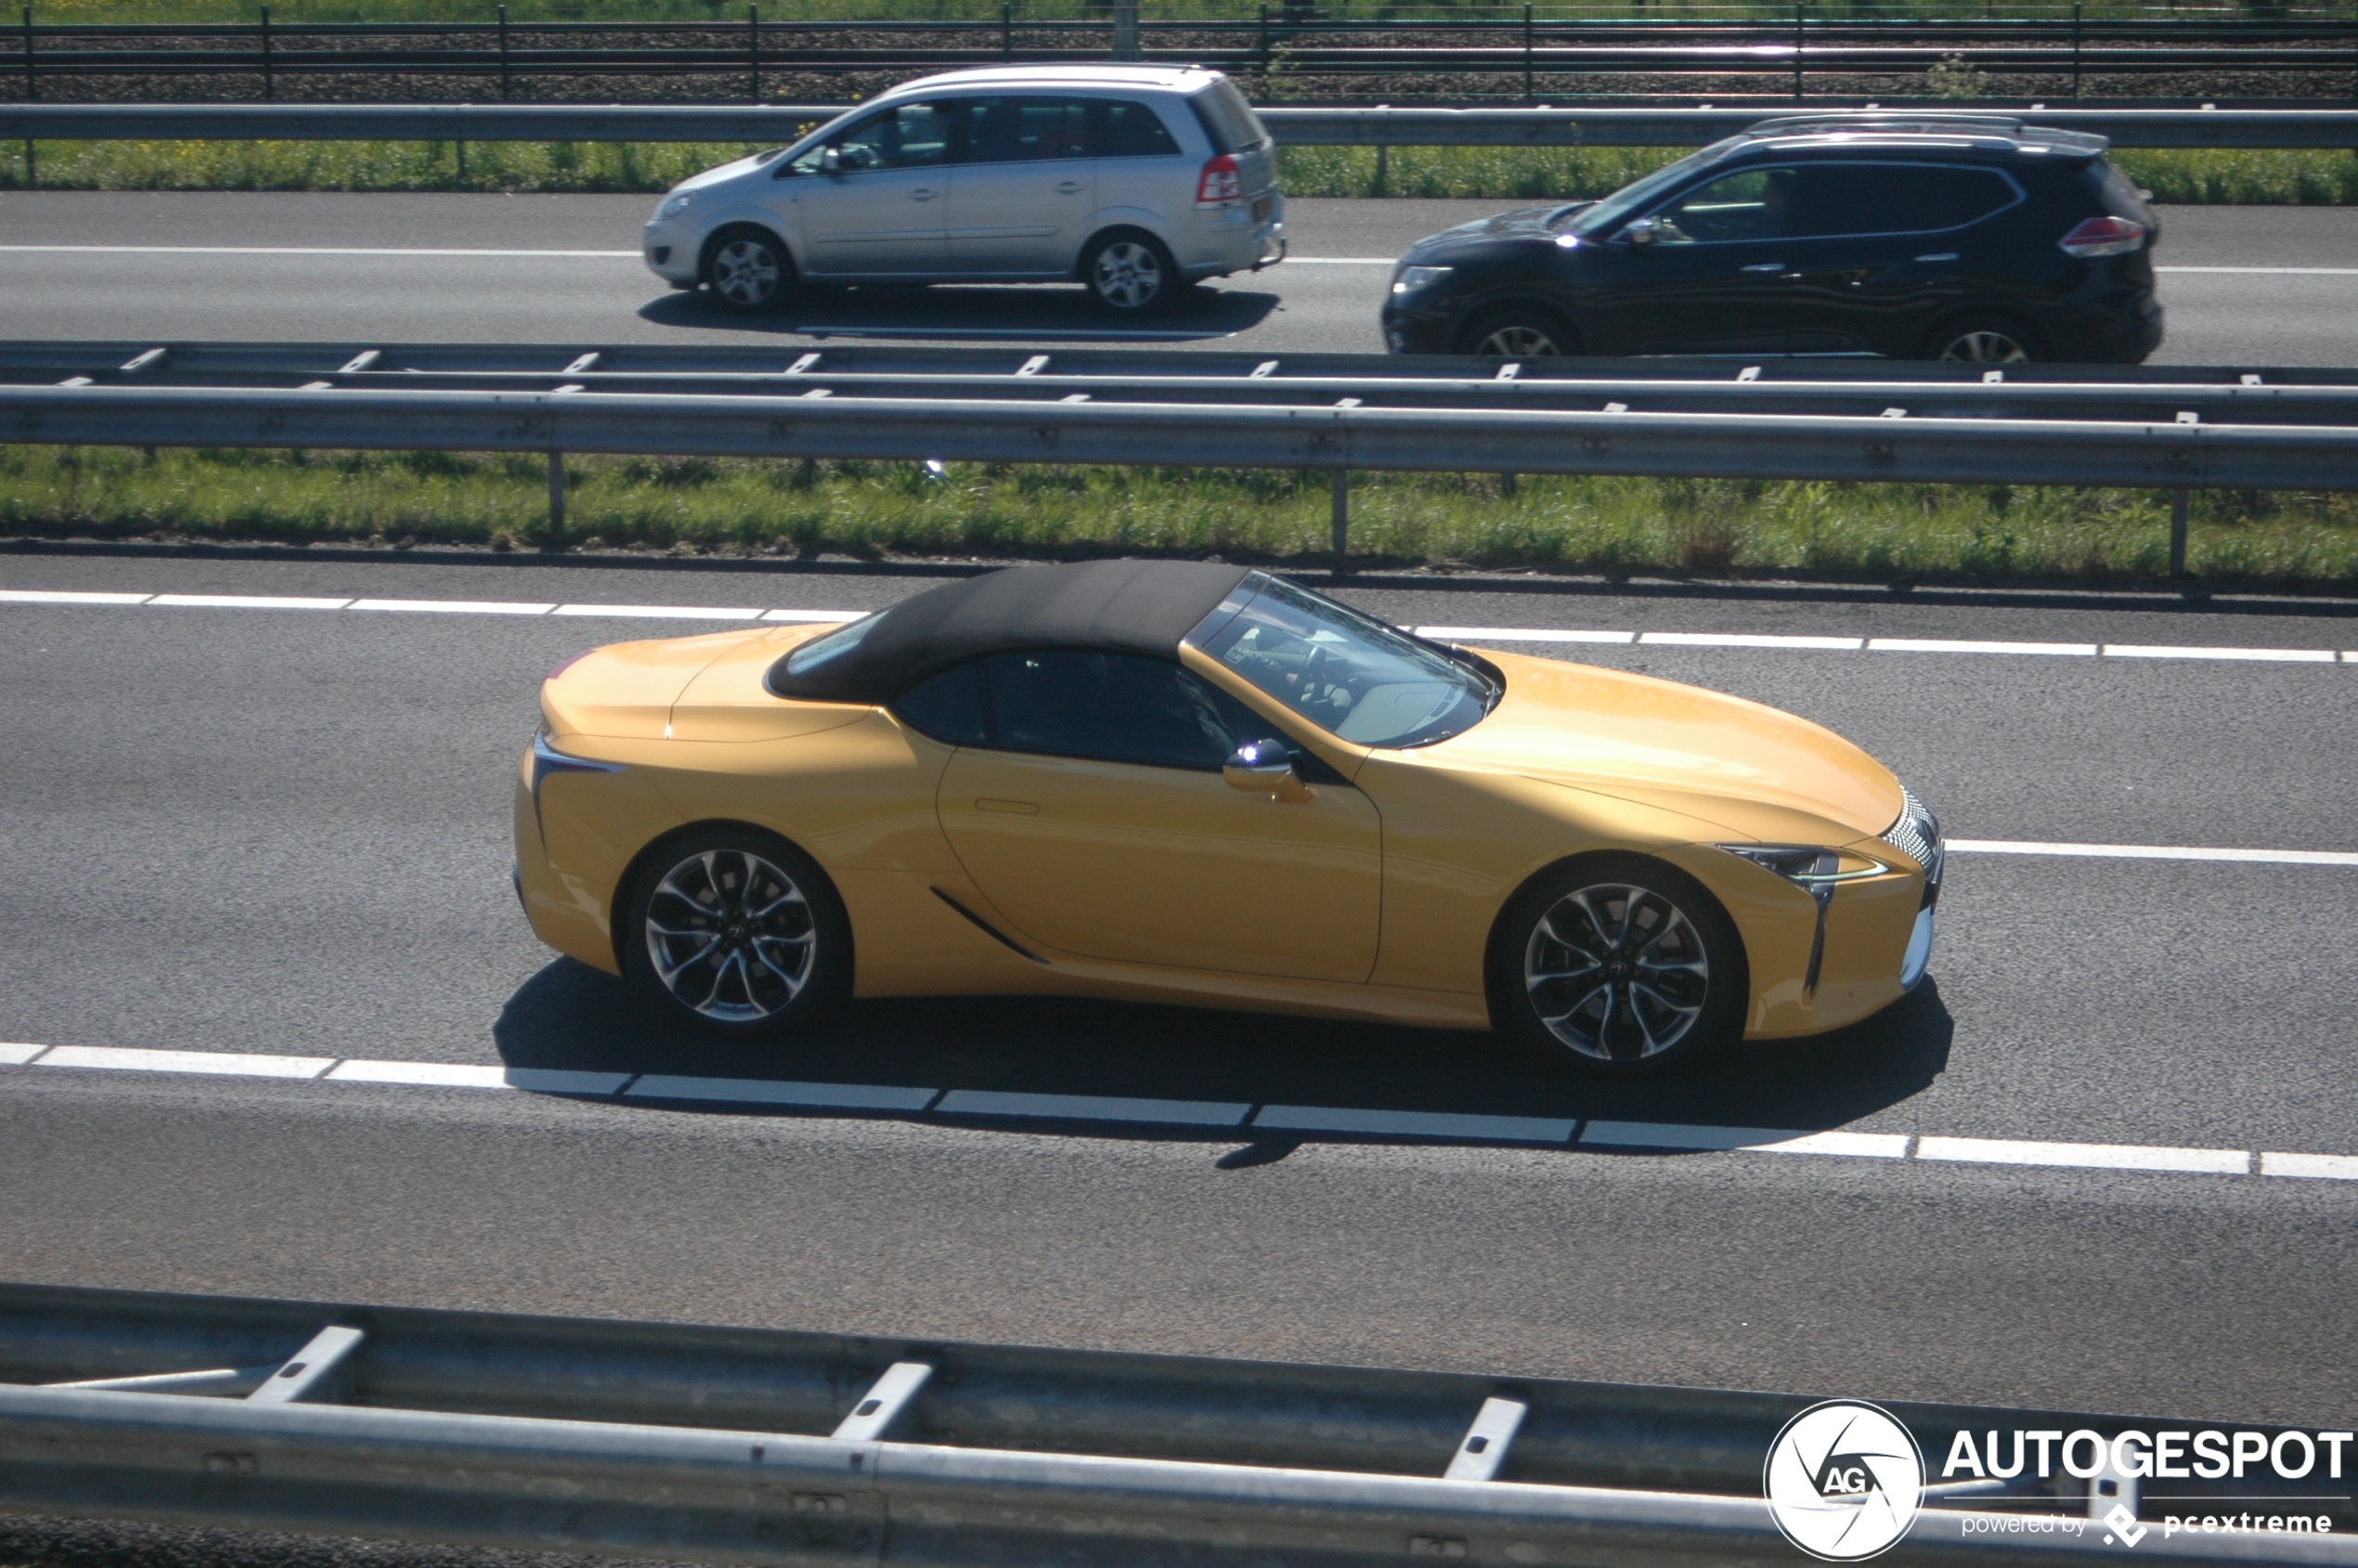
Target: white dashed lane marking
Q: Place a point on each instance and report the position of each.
(1334, 1121)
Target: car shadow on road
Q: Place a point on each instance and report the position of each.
(570, 1016)
(954, 312)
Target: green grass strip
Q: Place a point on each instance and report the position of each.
(2273, 177)
(875, 509)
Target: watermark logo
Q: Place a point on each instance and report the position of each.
(2124, 1524)
(1844, 1479)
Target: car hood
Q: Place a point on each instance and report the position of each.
(1524, 223)
(1751, 768)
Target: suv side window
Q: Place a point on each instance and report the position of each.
(1117, 707)
(1843, 199)
(1132, 130)
(1748, 204)
(1027, 130)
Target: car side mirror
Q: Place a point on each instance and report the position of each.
(1642, 232)
(830, 162)
(1264, 767)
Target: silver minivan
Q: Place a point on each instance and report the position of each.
(1135, 180)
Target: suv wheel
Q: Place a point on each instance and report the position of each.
(1983, 340)
(749, 269)
(1130, 273)
(1518, 332)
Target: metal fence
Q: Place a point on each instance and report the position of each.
(744, 1446)
(1773, 48)
(1334, 413)
(1386, 126)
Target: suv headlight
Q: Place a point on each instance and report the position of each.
(1411, 279)
(675, 204)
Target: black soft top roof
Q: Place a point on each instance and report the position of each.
(1113, 606)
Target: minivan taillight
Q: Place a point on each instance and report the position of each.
(1222, 182)
(2104, 237)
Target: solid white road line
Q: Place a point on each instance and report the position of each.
(464, 1075)
(1303, 1118)
(244, 602)
(1519, 634)
(2102, 1157)
(290, 250)
(1092, 1107)
(2286, 656)
(839, 616)
(2288, 271)
(42, 596)
(2152, 852)
(659, 612)
(755, 1091)
(2329, 1167)
(1747, 639)
(453, 606)
(235, 1063)
(1956, 645)
(1413, 1123)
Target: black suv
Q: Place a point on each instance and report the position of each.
(1924, 237)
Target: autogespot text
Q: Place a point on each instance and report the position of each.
(2208, 1454)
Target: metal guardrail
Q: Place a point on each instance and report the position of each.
(1783, 45)
(730, 1444)
(771, 125)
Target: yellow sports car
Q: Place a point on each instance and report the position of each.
(1187, 783)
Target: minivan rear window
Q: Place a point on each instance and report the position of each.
(1227, 118)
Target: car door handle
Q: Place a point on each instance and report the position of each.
(921, 194)
(1940, 255)
(1012, 807)
(1766, 266)
(1071, 187)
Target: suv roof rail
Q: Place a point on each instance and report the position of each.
(1990, 127)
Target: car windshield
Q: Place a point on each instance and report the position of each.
(1602, 218)
(1348, 673)
(831, 646)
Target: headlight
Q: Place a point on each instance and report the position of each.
(675, 204)
(1807, 864)
(1410, 278)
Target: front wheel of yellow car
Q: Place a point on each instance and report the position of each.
(739, 931)
(1619, 964)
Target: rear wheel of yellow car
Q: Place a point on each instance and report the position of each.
(739, 931)
(1618, 963)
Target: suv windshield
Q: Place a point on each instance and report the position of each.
(1347, 673)
(1602, 218)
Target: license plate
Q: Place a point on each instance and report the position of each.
(1261, 209)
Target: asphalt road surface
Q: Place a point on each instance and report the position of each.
(283, 831)
(2245, 286)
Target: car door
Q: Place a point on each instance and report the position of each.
(1710, 276)
(1097, 823)
(1881, 248)
(874, 203)
(1025, 188)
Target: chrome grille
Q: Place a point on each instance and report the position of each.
(1916, 835)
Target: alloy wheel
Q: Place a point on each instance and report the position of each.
(1127, 275)
(1618, 973)
(731, 936)
(746, 273)
(1518, 341)
(1986, 345)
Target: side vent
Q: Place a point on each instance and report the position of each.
(987, 929)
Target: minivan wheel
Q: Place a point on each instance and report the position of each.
(749, 269)
(1131, 274)
(1983, 340)
(1618, 963)
(1518, 332)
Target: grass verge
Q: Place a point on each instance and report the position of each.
(746, 506)
(2262, 178)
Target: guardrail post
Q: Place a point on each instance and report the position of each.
(753, 46)
(1007, 30)
(31, 82)
(2075, 47)
(1125, 30)
(270, 83)
(2177, 533)
(1263, 45)
(1800, 22)
(503, 51)
(1528, 94)
(1339, 493)
(556, 496)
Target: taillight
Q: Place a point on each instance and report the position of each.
(1221, 182)
(2104, 237)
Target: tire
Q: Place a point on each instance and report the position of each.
(691, 939)
(1983, 338)
(1618, 965)
(1518, 332)
(749, 269)
(1131, 273)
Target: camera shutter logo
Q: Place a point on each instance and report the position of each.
(1844, 1479)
